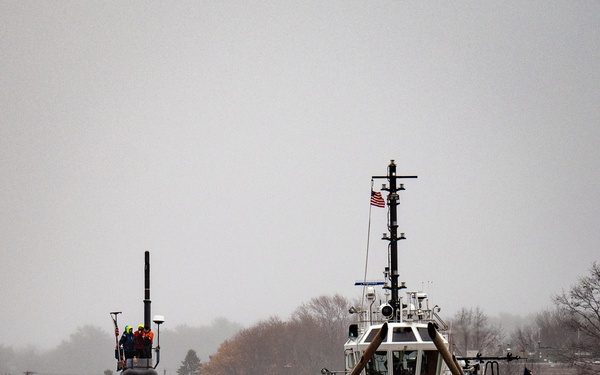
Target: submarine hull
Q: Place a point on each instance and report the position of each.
(139, 371)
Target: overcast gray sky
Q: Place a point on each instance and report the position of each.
(236, 140)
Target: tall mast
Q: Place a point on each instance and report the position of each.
(147, 302)
(393, 202)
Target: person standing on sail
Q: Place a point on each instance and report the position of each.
(148, 336)
(138, 338)
(128, 342)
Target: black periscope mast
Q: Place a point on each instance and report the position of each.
(399, 336)
(137, 365)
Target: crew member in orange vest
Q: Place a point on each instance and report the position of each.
(148, 336)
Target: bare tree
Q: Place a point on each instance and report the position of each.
(579, 311)
(525, 340)
(554, 336)
(321, 326)
(83, 343)
(472, 330)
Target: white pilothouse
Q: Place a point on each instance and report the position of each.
(407, 349)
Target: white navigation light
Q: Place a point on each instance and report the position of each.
(158, 319)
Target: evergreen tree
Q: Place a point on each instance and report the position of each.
(190, 365)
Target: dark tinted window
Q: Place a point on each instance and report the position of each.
(429, 362)
(403, 334)
(372, 335)
(424, 334)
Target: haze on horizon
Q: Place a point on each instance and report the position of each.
(236, 142)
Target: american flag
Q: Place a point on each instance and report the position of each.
(377, 199)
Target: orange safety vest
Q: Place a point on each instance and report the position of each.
(148, 336)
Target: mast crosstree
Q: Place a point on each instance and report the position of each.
(393, 201)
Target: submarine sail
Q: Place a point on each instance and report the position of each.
(139, 361)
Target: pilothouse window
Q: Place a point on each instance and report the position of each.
(405, 362)
(429, 362)
(424, 334)
(378, 364)
(350, 360)
(401, 334)
(372, 335)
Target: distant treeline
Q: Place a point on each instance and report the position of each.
(313, 338)
(90, 350)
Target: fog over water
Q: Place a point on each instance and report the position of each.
(236, 142)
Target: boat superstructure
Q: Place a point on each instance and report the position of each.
(403, 335)
(406, 349)
(405, 317)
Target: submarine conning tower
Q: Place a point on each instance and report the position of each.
(144, 366)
